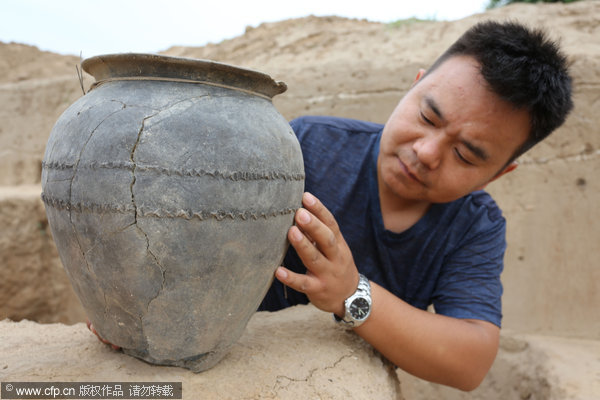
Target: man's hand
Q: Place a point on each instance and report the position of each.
(91, 328)
(331, 275)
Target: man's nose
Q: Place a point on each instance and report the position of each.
(429, 150)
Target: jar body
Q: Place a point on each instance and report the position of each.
(169, 203)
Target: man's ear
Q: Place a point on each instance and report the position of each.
(419, 76)
(510, 167)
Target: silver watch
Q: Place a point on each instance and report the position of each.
(358, 305)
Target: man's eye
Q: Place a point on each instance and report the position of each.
(427, 120)
(461, 158)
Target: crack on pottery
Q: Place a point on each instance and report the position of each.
(75, 165)
(135, 222)
(105, 236)
(191, 100)
(105, 305)
(70, 197)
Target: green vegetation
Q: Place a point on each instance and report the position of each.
(500, 3)
(408, 21)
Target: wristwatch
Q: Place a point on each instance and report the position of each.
(358, 305)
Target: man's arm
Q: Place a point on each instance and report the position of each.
(434, 347)
(446, 350)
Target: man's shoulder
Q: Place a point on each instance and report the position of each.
(335, 124)
(483, 201)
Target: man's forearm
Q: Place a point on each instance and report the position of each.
(434, 347)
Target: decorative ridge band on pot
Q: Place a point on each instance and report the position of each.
(234, 176)
(142, 211)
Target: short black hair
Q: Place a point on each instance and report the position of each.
(523, 67)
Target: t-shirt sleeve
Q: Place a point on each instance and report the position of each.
(469, 285)
(299, 126)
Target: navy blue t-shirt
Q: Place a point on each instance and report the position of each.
(451, 258)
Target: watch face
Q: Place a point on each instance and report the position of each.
(359, 308)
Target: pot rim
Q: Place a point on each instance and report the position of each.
(138, 66)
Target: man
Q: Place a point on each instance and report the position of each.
(394, 218)
(402, 204)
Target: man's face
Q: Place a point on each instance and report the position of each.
(450, 135)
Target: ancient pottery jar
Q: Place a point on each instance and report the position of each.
(169, 188)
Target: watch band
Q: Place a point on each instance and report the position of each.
(357, 306)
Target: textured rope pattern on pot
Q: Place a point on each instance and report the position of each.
(198, 172)
(142, 211)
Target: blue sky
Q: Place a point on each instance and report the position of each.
(112, 26)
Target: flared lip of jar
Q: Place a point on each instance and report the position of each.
(138, 65)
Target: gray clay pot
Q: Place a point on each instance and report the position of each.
(169, 188)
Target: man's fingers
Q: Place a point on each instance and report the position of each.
(93, 330)
(307, 250)
(317, 233)
(315, 206)
(299, 282)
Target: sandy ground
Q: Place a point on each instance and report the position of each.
(298, 353)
